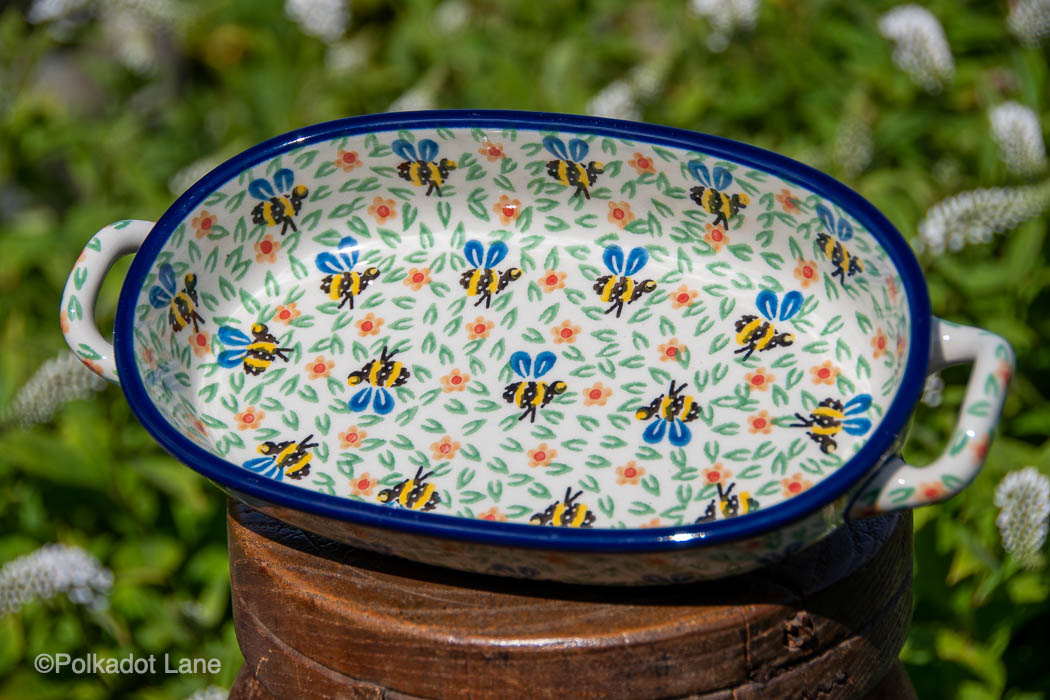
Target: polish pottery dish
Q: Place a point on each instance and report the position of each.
(536, 345)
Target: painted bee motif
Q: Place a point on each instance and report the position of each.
(530, 394)
(288, 458)
(831, 244)
(755, 333)
(484, 281)
(831, 417)
(568, 168)
(254, 354)
(378, 376)
(343, 282)
(182, 304)
(565, 513)
(280, 202)
(673, 410)
(414, 493)
(729, 505)
(620, 287)
(420, 168)
(710, 195)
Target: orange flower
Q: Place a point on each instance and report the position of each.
(825, 373)
(200, 343)
(670, 350)
(479, 328)
(932, 490)
(552, 280)
(900, 344)
(760, 379)
(494, 514)
(541, 456)
(717, 474)
(760, 423)
(788, 201)
(878, 344)
(150, 357)
(794, 485)
(620, 214)
(286, 314)
(683, 296)
(455, 381)
(492, 150)
(351, 437)
(1004, 372)
(249, 418)
(347, 160)
(642, 164)
(806, 272)
(565, 332)
(655, 522)
(198, 427)
(63, 320)
(596, 394)
(891, 288)
(203, 222)
(369, 325)
(445, 448)
(508, 209)
(363, 485)
(417, 277)
(980, 447)
(266, 249)
(715, 237)
(629, 473)
(319, 367)
(382, 210)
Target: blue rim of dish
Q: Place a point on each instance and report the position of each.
(233, 477)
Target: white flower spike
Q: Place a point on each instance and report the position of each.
(921, 49)
(51, 570)
(1020, 138)
(1023, 497)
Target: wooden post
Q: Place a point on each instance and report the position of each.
(316, 619)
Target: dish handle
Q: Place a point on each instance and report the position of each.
(81, 292)
(897, 485)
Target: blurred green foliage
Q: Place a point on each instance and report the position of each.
(85, 140)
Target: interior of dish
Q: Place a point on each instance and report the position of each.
(526, 326)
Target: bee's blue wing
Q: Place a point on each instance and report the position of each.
(636, 260)
(359, 401)
(767, 304)
(858, 404)
(349, 251)
(284, 179)
(383, 402)
(544, 361)
(680, 434)
(326, 262)
(856, 426)
(827, 217)
(475, 252)
(497, 251)
(232, 358)
(655, 432)
(260, 188)
(791, 304)
(699, 171)
(521, 363)
(404, 149)
(845, 229)
(578, 149)
(166, 276)
(428, 150)
(613, 259)
(259, 463)
(159, 298)
(721, 178)
(230, 336)
(555, 146)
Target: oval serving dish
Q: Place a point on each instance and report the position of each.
(536, 345)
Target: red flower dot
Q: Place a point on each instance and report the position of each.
(683, 298)
(539, 456)
(595, 394)
(509, 210)
(716, 235)
(758, 380)
(619, 213)
(248, 418)
(794, 487)
(479, 328)
(383, 211)
(352, 438)
(201, 340)
(630, 472)
(759, 423)
(488, 516)
(881, 342)
(931, 493)
(445, 447)
(456, 379)
(566, 332)
(671, 351)
(552, 280)
(206, 223)
(807, 271)
(367, 326)
(823, 372)
(417, 277)
(266, 247)
(284, 314)
(643, 163)
(349, 157)
(713, 476)
(494, 150)
(319, 368)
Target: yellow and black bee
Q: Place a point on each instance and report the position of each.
(343, 282)
(279, 202)
(671, 409)
(729, 505)
(831, 245)
(831, 417)
(182, 304)
(565, 513)
(255, 354)
(288, 458)
(620, 287)
(378, 376)
(483, 280)
(568, 168)
(414, 493)
(758, 333)
(421, 169)
(711, 194)
(530, 394)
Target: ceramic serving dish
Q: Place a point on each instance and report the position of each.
(536, 345)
